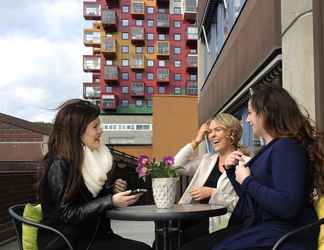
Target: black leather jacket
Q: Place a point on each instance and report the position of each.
(81, 221)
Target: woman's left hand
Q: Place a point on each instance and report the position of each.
(241, 172)
(199, 193)
(119, 186)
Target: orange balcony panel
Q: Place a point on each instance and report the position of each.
(109, 46)
(108, 102)
(91, 10)
(91, 63)
(137, 62)
(163, 49)
(137, 8)
(91, 90)
(111, 73)
(91, 37)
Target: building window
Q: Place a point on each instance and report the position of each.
(139, 22)
(139, 103)
(139, 50)
(150, 63)
(177, 77)
(109, 89)
(150, 76)
(177, 91)
(109, 62)
(125, 49)
(177, 37)
(193, 77)
(125, 89)
(177, 10)
(150, 36)
(162, 63)
(124, 62)
(124, 103)
(150, 49)
(149, 90)
(138, 76)
(177, 24)
(149, 103)
(124, 76)
(177, 63)
(162, 37)
(124, 22)
(150, 10)
(177, 50)
(124, 35)
(150, 23)
(125, 8)
(161, 90)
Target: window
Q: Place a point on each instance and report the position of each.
(150, 63)
(177, 50)
(109, 89)
(177, 77)
(125, 9)
(150, 76)
(109, 62)
(162, 63)
(193, 77)
(124, 103)
(177, 10)
(125, 49)
(139, 22)
(149, 10)
(138, 76)
(125, 89)
(125, 36)
(161, 90)
(162, 37)
(124, 62)
(177, 37)
(149, 103)
(177, 24)
(124, 75)
(149, 90)
(150, 36)
(139, 103)
(124, 22)
(177, 63)
(139, 50)
(177, 91)
(150, 49)
(150, 23)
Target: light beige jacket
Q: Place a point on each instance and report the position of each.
(200, 168)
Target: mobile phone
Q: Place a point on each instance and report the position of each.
(138, 191)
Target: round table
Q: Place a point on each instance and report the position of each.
(165, 216)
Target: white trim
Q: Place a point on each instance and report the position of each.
(205, 37)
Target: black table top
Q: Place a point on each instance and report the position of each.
(152, 213)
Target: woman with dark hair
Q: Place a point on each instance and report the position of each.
(276, 187)
(73, 190)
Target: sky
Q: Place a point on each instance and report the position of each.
(41, 48)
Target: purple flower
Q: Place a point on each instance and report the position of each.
(168, 160)
(143, 160)
(141, 170)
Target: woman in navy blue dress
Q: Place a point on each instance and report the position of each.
(276, 187)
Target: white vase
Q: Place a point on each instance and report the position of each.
(164, 191)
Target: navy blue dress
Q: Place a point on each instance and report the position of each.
(274, 199)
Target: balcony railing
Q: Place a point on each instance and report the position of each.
(91, 90)
(137, 8)
(192, 61)
(137, 89)
(163, 49)
(163, 21)
(91, 63)
(137, 34)
(111, 73)
(109, 18)
(192, 34)
(91, 10)
(137, 62)
(91, 38)
(108, 102)
(190, 9)
(192, 88)
(109, 46)
(163, 75)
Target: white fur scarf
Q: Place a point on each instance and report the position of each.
(96, 165)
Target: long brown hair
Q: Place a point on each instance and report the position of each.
(65, 141)
(283, 118)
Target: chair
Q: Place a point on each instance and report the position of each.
(16, 215)
(289, 234)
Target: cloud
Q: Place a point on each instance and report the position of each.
(41, 65)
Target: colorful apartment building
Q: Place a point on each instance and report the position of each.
(140, 48)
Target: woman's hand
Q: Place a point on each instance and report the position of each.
(241, 172)
(200, 193)
(119, 186)
(124, 199)
(233, 159)
(204, 129)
